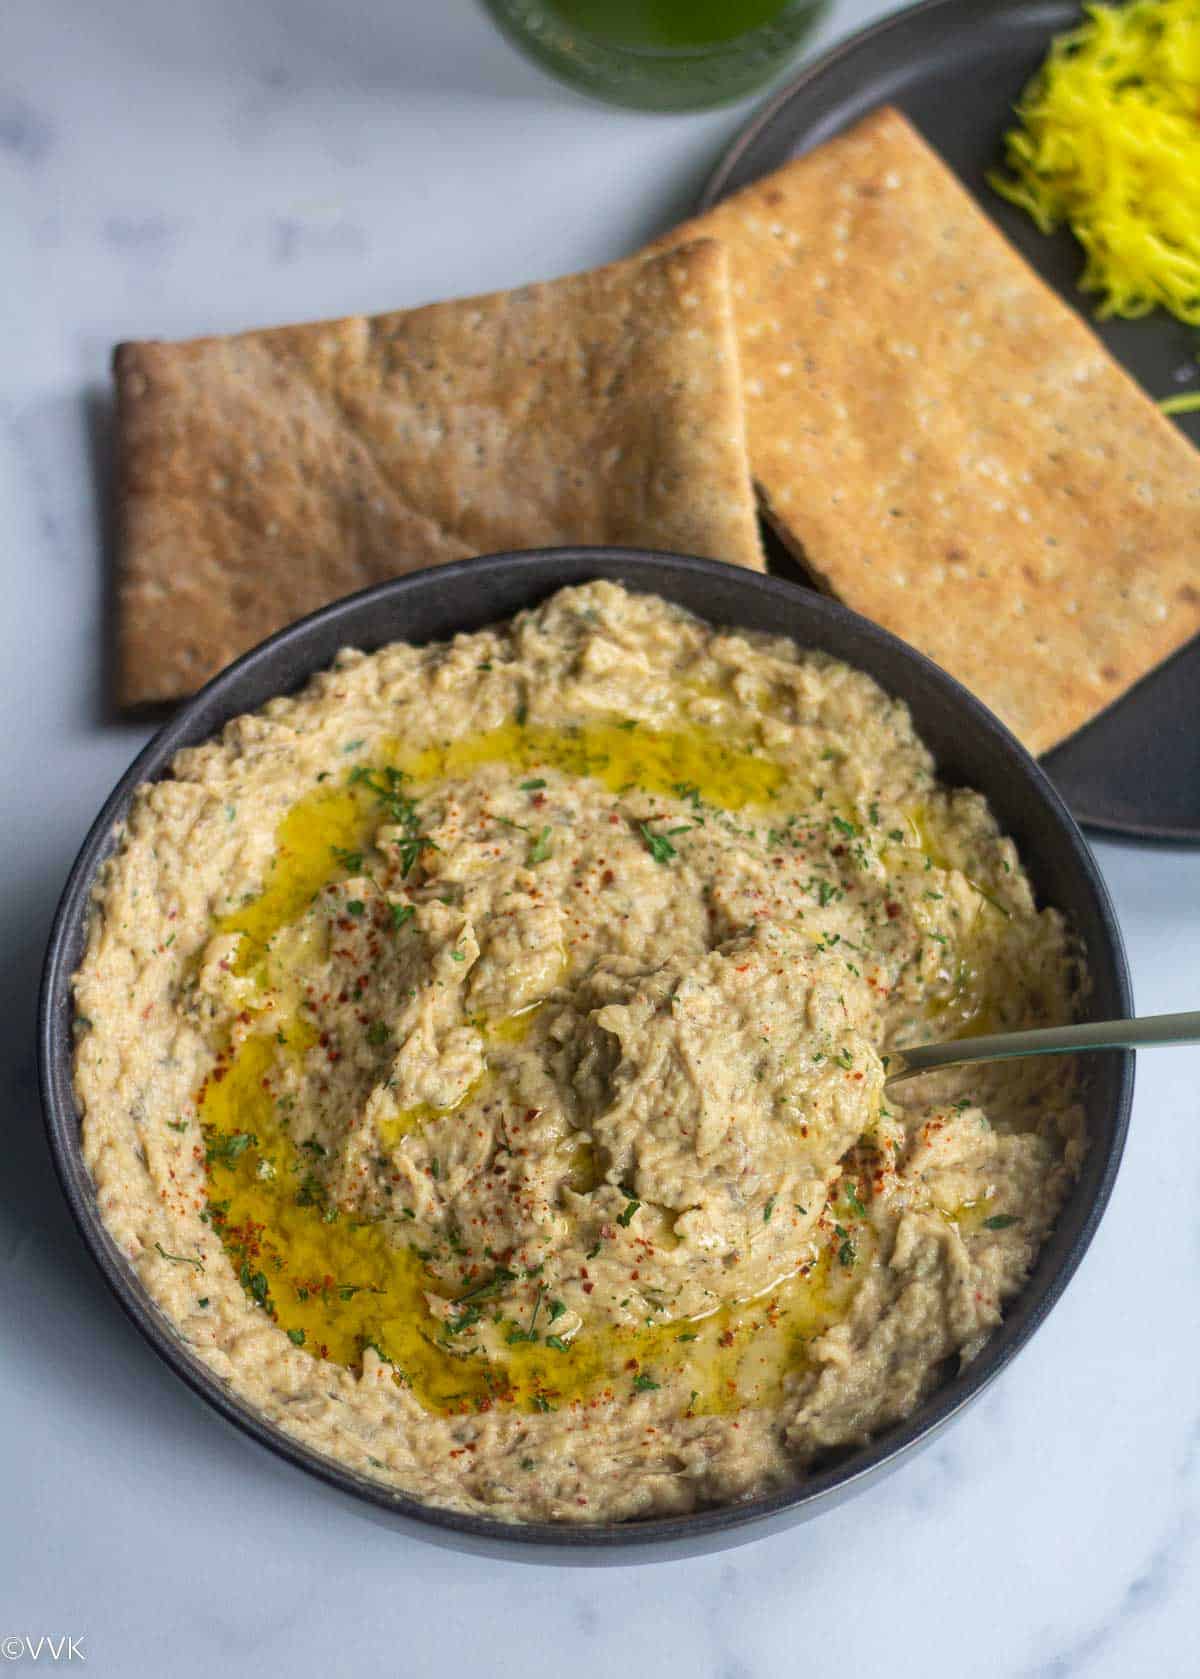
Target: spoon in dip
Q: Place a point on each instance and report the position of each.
(1049, 1040)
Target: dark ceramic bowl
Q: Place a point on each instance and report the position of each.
(970, 746)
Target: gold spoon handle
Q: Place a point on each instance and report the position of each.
(1048, 1040)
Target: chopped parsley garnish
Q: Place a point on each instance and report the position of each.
(387, 784)
(180, 1258)
(377, 1032)
(846, 1252)
(528, 1334)
(850, 829)
(534, 786)
(658, 845)
(355, 906)
(642, 1383)
(988, 899)
(556, 1308)
(296, 1336)
(225, 1147)
(400, 914)
(540, 849)
(256, 1286)
(625, 1218)
(688, 1335)
(466, 1319)
(490, 1286)
(351, 861)
(557, 1342)
(1000, 1221)
(768, 1209)
(177, 1124)
(851, 1194)
(203, 1300)
(310, 1193)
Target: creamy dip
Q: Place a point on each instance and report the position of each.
(481, 1059)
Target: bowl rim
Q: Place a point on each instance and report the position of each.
(629, 1540)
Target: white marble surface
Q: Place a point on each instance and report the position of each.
(173, 170)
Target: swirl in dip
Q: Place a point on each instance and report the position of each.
(481, 1060)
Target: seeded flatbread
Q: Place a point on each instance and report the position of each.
(265, 474)
(945, 444)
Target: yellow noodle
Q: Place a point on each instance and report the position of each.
(1109, 142)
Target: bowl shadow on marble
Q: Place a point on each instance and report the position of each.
(99, 419)
(971, 747)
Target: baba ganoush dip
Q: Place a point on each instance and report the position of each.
(481, 1061)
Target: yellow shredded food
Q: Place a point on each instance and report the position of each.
(1109, 142)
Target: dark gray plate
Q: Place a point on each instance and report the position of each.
(954, 67)
(970, 746)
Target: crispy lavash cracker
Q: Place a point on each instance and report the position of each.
(945, 444)
(265, 474)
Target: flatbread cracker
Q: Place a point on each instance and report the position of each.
(945, 444)
(262, 475)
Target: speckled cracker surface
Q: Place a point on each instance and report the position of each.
(945, 444)
(262, 475)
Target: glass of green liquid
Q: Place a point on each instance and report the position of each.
(660, 55)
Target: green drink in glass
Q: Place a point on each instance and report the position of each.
(660, 55)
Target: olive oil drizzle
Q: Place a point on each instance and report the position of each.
(338, 1286)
